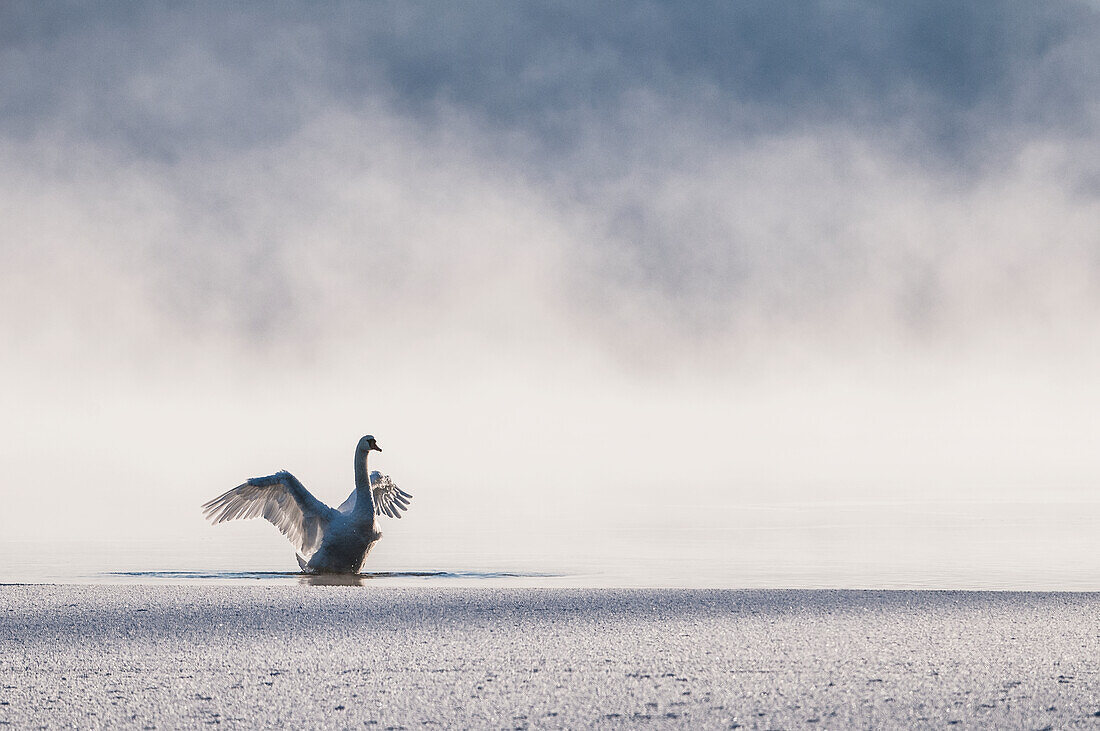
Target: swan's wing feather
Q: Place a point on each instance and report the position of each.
(280, 499)
(389, 499)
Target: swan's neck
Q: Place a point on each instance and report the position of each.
(364, 498)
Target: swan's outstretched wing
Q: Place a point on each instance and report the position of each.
(281, 499)
(389, 499)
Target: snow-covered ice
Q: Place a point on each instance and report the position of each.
(315, 656)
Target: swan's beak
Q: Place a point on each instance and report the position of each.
(376, 447)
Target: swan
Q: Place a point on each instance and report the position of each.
(329, 541)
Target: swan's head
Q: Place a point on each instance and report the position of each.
(368, 443)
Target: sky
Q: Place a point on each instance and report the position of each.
(572, 265)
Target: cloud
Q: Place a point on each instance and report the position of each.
(703, 169)
(723, 158)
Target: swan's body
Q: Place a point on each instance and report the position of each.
(329, 540)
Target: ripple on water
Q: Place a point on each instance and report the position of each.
(278, 577)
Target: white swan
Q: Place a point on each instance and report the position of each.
(329, 541)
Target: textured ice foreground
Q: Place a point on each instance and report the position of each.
(302, 656)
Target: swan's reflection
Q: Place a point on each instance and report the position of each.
(359, 579)
(332, 579)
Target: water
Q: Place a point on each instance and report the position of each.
(1009, 546)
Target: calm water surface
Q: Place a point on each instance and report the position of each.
(921, 546)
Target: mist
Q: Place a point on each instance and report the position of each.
(572, 267)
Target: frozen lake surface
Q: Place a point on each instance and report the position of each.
(250, 656)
